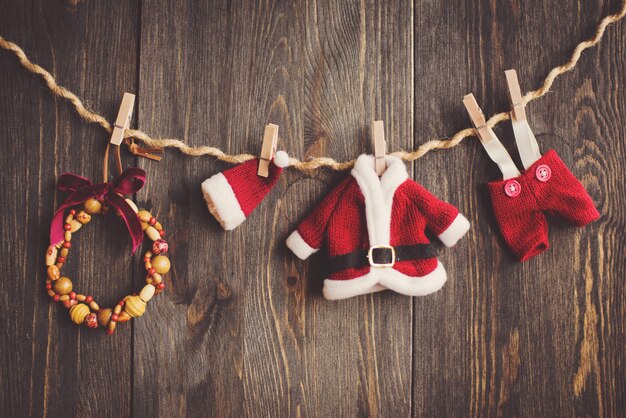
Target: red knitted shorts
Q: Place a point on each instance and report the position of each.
(547, 186)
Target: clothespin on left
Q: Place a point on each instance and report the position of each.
(380, 146)
(123, 119)
(122, 123)
(268, 148)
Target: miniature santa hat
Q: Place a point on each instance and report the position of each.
(233, 194)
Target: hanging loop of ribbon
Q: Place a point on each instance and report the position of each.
(80, 190)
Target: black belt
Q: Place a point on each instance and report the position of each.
(379, 256)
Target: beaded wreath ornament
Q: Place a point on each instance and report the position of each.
(84, 201)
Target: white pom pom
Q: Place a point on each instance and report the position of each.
(281, 159)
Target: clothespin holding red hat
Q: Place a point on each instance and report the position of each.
(379, 146)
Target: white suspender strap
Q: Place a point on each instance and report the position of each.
(526, 142)
(489, 140)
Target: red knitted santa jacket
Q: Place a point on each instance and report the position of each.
(366, 210)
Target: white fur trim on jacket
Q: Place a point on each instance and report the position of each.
(299, 247)
(455, 231)
(222, 202)
(379, 279)
(378, 194)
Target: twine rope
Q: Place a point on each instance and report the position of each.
(313, 163)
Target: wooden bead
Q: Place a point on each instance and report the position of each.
(123, 317)
(152, 233)
(156, 277)
(81, 298)
(147, 292)
(69, 218)
(134, 306)
(132, 205)
(67, 236)
(83, 217)
(53, 272)
(94, 306)
(69, 303)
(144, 215)
(62, 286)
(78, 313)
(51, 255)
(158, 226)
(64, 252)
(117, 309)
(161, 264)
(75, 226)
(92, 206)
(64, 298)
(91, 321)
(51, 293)
(104, 316)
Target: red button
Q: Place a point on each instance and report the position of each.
(543, 173)
(512, 188)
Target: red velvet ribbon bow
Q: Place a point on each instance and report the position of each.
(81, 189)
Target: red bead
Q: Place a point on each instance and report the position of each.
(151, 271)
(121, 302)
(48, 286)
(61, 259)
(152, 221)
(114, 317)
(72, 295)
(109, 331)
(56, 298)
(67, 244)
(146, 259)
(161, 286)
(89, 299)
(72, 212)
(162, 232)
(67, 227)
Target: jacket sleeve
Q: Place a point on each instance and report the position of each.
(442, 218)
(309, 236)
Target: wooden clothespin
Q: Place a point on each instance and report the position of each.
(380, 146)
(477, 116)
(515, 93)
(489, 140)
(270, 140)
(122, 123)
(123, 119)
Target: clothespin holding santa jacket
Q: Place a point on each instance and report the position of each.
(524, 137)
(489, 140)
(270, 140)
(380, 146)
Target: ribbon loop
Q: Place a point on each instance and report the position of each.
(81, 189)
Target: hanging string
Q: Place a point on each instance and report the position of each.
(314, 163)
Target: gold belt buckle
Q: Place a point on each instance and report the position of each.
(370, 256)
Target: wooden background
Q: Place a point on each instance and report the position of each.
(242, 328)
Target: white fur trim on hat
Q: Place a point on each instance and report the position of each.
(281, 159)
(222, 202)
(455, 231)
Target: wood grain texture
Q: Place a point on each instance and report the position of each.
(50, 366)
(242, 328)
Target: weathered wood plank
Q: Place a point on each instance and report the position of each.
(242, 328)
(522, 339)
(275, 347)
(50, 366)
